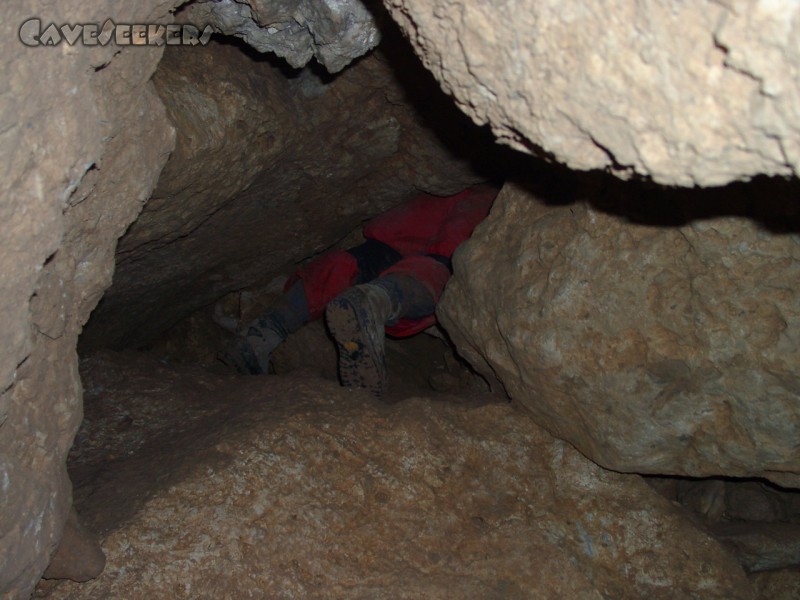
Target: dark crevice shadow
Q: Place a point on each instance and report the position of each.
(269, 58)
(771, 202)
(438, 111)
(109, 494)
(112, 482)
(771, 485)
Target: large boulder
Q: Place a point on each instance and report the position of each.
(295, 486)
(652, 348)
(699, 92)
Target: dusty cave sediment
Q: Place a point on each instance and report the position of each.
(704, 94)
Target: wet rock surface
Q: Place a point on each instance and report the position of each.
(702, 93)
(204, 485)
(654, 347)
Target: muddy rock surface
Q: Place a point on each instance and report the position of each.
(205, 485)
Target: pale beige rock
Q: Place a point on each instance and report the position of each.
(279, 487)
(83, 139)
(653, 349)
(687, 93)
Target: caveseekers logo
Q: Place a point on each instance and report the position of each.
(32, 33)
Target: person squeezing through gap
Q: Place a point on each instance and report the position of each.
(389, 285)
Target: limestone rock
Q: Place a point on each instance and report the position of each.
(761, 546)
(777, 585)
(76, 171)
(691, 93)
(258, 152)
(652, 348)
(293, 486)
(78, 557)
(335, 32)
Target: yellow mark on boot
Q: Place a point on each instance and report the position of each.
(350, 346)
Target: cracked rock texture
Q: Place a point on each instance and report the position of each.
(687, 93)
(653, 348)
(75, 174)
(335, 32)
(257, 153)
(279, 487)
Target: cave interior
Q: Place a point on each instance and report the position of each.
(182, 464)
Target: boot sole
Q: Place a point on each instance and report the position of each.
(361, 364)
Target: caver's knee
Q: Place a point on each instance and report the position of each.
(427, 270)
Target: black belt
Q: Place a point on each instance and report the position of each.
(373, 258)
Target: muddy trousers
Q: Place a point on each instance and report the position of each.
(414, 282)
(411, 287)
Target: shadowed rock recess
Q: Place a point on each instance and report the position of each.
(638, 328)
(259, 149)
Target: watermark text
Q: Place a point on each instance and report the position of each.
(33, 33)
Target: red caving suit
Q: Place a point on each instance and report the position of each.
(427, 225)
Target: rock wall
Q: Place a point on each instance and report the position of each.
(686, 93)
(653, 348)
(272, 166)
(84, 137)
(335, 32)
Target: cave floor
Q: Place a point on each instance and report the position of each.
(204, 484)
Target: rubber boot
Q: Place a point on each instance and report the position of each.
(356, 319)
